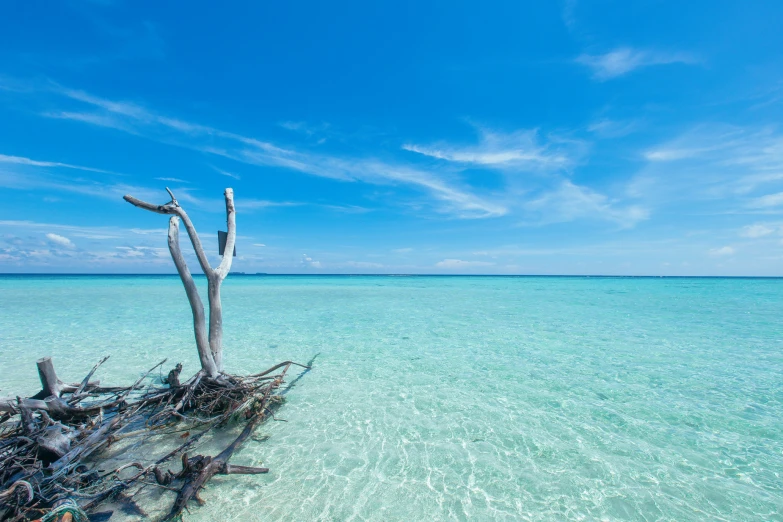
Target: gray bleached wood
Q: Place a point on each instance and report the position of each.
(196, 306)
(50, 384)
(61, 429)
(210, 348)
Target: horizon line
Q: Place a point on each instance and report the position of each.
(391, 274)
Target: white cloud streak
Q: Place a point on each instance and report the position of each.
(768, 201)
(456, 264)
(96, 233)
(722, 251)
(570, 201)
(607, 128)
(364, 264)
(60, 240)
(226, 173)
(519, 150)
(623, 60)
(18, 160)
(715, 162)
(758, 230)
(248, 204)
(135, 119)
(309, 262)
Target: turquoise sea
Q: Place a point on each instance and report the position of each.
(458, 398)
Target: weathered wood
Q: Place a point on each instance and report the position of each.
(173, 377)
(31, 448)
(54, 442)
(10, 405)
(199, 470)
(233, 469)
(204, 468)
(50, 384)
(57, 431)
(19, 484)
(173, 208)
(86, 381)
(212, 364)
(196, 306)
(215, 280)
(231, 216)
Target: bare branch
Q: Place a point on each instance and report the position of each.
(8, 493)
(50, 384)
(215, 320)
(173, 208)
(214, 282)
(173, 199)
(86, 380)
(9, 405)
(194, 239)
(168, 208)
(233, 469)
(196, 305)
(228, 253)
(214, 276)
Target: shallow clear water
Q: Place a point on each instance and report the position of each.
(455, 398)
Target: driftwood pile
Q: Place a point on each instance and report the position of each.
(51, 458)
(51, 443)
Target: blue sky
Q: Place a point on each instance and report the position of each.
(510, 137)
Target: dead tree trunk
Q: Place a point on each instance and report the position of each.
(50, 384)
(210, 346)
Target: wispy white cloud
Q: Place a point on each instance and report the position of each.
(304, 127)
(149, 231)
(607, 128)
(452, 264)
(348, 209)
(452, 199)
(569, 202)
(226, 173)
(102, 120)
(309, 262)
(136, 119)
(715, 162)
(29, 174)
(448, 194)
(18, 160)
(248, 204)
(699, 142)
(767, 201)
(143, 251)
(722, 251)
(757, 230)
(293, 125)
(31, 180)
(173, 180)
(364, 264)
(60, 240)
(623, 60)
(28, 243)
(402, 250)
(86, 232)
(569, 14)
(520, 150)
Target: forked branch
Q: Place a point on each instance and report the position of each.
(210, 347)
(196, 306)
